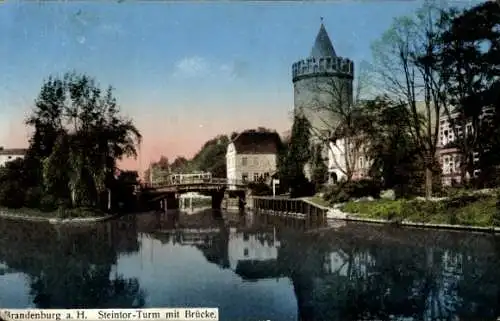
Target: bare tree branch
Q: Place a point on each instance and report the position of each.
(403, 66)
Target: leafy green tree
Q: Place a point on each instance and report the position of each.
(455, 64)
(299, 151)
(123, 191)
(469, 62)
(297, 156)
(212, 157)
(163, 163)
(12, 184)
(391, 149)
(78, 125)
(319, 169)
(55, 181)
(46, 117)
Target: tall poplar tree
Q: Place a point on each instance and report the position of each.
(298, 154)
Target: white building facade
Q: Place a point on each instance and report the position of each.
(11, 154)
(251, 247)
(449, 155)
(252, 157)
(340, 163)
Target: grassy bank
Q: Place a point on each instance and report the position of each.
(319, 200)
(61, 213)
(472, 210)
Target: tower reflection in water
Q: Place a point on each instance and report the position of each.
(360, 272)
(350, 272)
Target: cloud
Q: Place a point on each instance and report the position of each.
(192, 67)
(199, 67)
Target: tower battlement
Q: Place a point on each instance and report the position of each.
(329, 66)
(322, 82)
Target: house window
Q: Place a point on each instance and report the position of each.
(244, 161)
(10, 157)
(245, 252)
(255, 177)
(266, 176)
(256, 161)
(244, 177)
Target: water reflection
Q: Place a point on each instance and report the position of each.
(72, 267)
(352, 272)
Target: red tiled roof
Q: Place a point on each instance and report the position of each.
(254, 142)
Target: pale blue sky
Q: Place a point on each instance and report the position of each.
(185, 71)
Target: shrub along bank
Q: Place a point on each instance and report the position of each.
(472, 210)
(60, 213)
(345, 191)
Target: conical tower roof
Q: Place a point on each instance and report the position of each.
(323, 46)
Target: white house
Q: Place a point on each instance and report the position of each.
(10, 154)
(339, 163)
(252, 156)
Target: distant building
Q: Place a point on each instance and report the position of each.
(252, 156)
(449, 155)
(339, 164)
(10, 154)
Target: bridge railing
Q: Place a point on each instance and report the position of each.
(195, 181)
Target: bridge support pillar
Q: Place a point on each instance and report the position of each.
(170, 202)
(241, 201)
(217, 198)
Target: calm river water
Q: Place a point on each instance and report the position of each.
(252, 267)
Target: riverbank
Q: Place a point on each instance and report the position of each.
(473, 213)
(66, 216)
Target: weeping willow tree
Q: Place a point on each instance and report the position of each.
(79, 135)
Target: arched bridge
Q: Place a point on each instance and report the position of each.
(169, 189)
(195, 185)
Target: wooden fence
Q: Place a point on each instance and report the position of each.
(300, 208)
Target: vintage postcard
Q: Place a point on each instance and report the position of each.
(249, 160)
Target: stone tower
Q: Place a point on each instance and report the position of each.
(323, 83)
